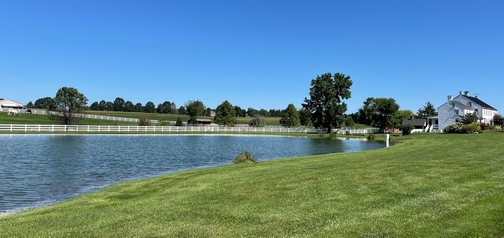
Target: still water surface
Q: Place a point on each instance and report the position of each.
(40, 170)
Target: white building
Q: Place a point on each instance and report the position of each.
(450, 112)
(6, 104)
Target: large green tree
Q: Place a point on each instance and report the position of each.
(43, 103)
(290, 117)
(194, 109)
(326, 103)
(67, 106)
(119, 104)
(404, 114)
(380, 112)
(165, 107)
(239, 111)
(225, 114)
(150, 107)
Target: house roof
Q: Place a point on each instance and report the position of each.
(414, 122)
(10, 103)
(462, 105)
(479, 102)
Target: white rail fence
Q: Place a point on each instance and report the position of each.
(44, 112)
(166, 129)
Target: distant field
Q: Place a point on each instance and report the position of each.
(44, 119)
(270, 121)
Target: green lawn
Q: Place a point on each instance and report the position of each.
(429, 185)
(44, 119)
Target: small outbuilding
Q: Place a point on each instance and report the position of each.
(416, 123)
(202, 122)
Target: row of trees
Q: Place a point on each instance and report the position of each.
(167, 107)
(324, 108)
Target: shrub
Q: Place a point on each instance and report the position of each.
(470, 128)
(144, 122)
(162, 123)
(485, 127)
(406, 129)
(179, 122)
(257, 121)
(464, 129)
(244, 157)
(371, 137)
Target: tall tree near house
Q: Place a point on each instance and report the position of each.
(326, 103)
(225, 114)
(67, 105)
(290, 117)
(427, 111)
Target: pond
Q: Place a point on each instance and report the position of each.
(40, 170)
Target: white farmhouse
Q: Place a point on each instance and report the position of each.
(450, 112)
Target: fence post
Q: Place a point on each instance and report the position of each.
(25, 127)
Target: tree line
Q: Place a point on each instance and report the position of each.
(167, 107)
(324, 108)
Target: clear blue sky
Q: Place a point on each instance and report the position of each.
(259, 54)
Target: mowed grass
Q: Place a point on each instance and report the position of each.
(429, 185)
(44, 120)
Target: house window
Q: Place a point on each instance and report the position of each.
(457, 111)
(470, 104)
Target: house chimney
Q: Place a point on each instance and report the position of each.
(450, 97)
(476, 96)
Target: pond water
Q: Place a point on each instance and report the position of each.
(40, 170)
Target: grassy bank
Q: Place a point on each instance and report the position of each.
(431, 185)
